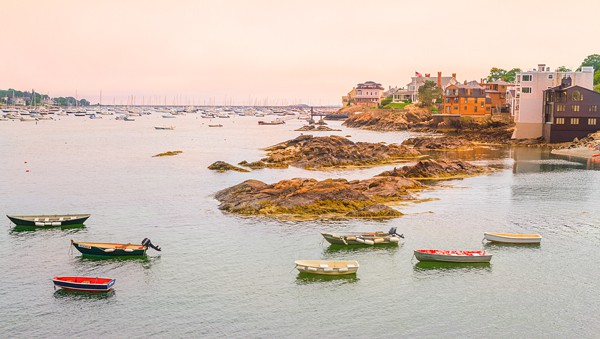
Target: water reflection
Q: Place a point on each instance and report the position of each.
(343, 249)
(423, 266)
(307, 278)
(474, 154)
(79, 295)
(70, 228)
(145, 262)
(499, 246)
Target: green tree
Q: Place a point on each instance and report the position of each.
(591, 60)
(84, 102)
(499, 73)
(563, 69)
(597, 88)
(386, 101)
(428, 93)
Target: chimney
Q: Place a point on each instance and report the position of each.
(439, 80)
(454, 75)
(427, 75)
(566, 82)
(481, 81)
(541, 67)
(465, 82)
(390, 87)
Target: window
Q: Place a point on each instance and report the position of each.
(560, 108)
(412, 88)
(456, 108)
(526, 89)
(559, 121)
(476, 100)
(591, 121)
(465, 108)
(482, 104)
(574, 121)
(576, 96)
(526, 77)
(466, 100)
(593, 108)
(575, 108)
(550, 76)
(475, 109)
(487, 108)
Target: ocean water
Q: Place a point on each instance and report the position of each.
(221, 275)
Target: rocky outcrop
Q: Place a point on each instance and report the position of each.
(311, 199)
(168, 154)
(437, 169)
(222, 166)
(319, 128)
(409, 117)
(438, 143)
(311, 152)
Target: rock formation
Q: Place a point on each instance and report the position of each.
(437, 169)
(222, 166)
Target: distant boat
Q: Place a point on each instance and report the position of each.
(164, 127)
(219, 125)
(364, 238)
(168, 116)
(513, 238)
(327, 267)
(453, 256)
(112, 249)
(128, 118)
(48, 220)
(84, 284)
(28, 119)
(272, 122)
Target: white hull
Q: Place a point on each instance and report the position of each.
(513, 238)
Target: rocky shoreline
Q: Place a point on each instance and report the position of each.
(339, 198)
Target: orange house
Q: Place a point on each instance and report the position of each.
(467, 99)
(496, 90)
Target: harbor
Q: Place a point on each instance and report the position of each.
(245, 283)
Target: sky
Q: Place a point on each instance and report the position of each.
(277, 52)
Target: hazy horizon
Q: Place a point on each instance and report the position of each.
(313, 52)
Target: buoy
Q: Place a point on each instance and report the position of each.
(369, 242)
(394, 239)
(360, 240)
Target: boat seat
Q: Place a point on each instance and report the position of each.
(329, 269)
(323, 265)
(47, 219)
(61, 219)
(36, 219)
(350, 265)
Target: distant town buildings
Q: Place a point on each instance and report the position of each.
(497, 92)
(570, 111)
(528, 107)
(412, 88)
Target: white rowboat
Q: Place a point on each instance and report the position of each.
(327, 267)
(513, 238)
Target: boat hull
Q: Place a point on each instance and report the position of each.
(48, 220)
(327, 267)
(379, 238)
(453, 256)
(109, 250)
(84, 284)
(507, 238)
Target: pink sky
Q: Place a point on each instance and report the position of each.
(287, 51)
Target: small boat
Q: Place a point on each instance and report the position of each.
(512, 238)
(113, 250)
(272, 122)
(164, 127)
(128, 118)
(84, 284)
(453, 256)
(364, 238)
(168, 116)
(219, 125)
(327, 267)
(48, 220)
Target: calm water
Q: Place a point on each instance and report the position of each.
(222, 275)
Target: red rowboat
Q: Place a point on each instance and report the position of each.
(84, 284)
(453, 256)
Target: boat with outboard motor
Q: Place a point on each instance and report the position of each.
(364, 238)
(112, 249)
(46, 220)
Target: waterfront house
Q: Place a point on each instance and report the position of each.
(466, 99)
(570, 111)
(529, 96)
(496, 91)
(368, 94)
(412, 88)
(348, 99)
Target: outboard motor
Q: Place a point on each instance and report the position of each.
(393, 232)
(146, 242)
